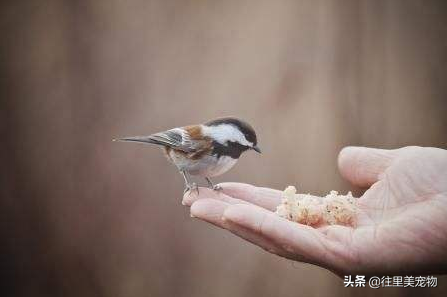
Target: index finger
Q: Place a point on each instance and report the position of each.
(305, 242)
(263, 197)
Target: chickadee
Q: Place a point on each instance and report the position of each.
(205, 150)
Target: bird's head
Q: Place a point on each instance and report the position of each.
(231, 136)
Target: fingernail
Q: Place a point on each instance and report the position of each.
(191, 215)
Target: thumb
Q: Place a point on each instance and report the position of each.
(363, 166)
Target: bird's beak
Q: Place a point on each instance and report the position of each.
(256, 148)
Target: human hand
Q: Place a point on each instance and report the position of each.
(402, 222)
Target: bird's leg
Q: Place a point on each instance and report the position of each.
(213, 186)
(188, 186)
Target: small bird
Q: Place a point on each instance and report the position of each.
(205, 150)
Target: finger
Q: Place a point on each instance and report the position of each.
(204, 193)
(292, 237)
(211, 211)
(264, 197)
(258, 240)
(363, 166)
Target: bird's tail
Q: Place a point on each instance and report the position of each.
(141, 139)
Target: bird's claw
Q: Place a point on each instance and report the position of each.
(191, 187)
(217, 188)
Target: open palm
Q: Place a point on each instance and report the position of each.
(401, 228)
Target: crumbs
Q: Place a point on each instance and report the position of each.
(333, 209)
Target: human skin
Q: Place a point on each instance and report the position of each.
(402, 220)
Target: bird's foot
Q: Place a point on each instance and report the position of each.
(217, 188)
(212, 185)
(191, 187)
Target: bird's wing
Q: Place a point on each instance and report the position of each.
(172, 138)
(177, 138)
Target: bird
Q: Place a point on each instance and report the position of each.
(205, 150)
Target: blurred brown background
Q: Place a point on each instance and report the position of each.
(82, 216)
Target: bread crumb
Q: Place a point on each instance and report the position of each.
(313, 210)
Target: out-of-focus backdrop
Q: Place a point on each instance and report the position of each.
(82, 216)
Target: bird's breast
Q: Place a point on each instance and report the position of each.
(222, 165)
(207, 166)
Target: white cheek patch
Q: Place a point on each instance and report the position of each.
(224, 133)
